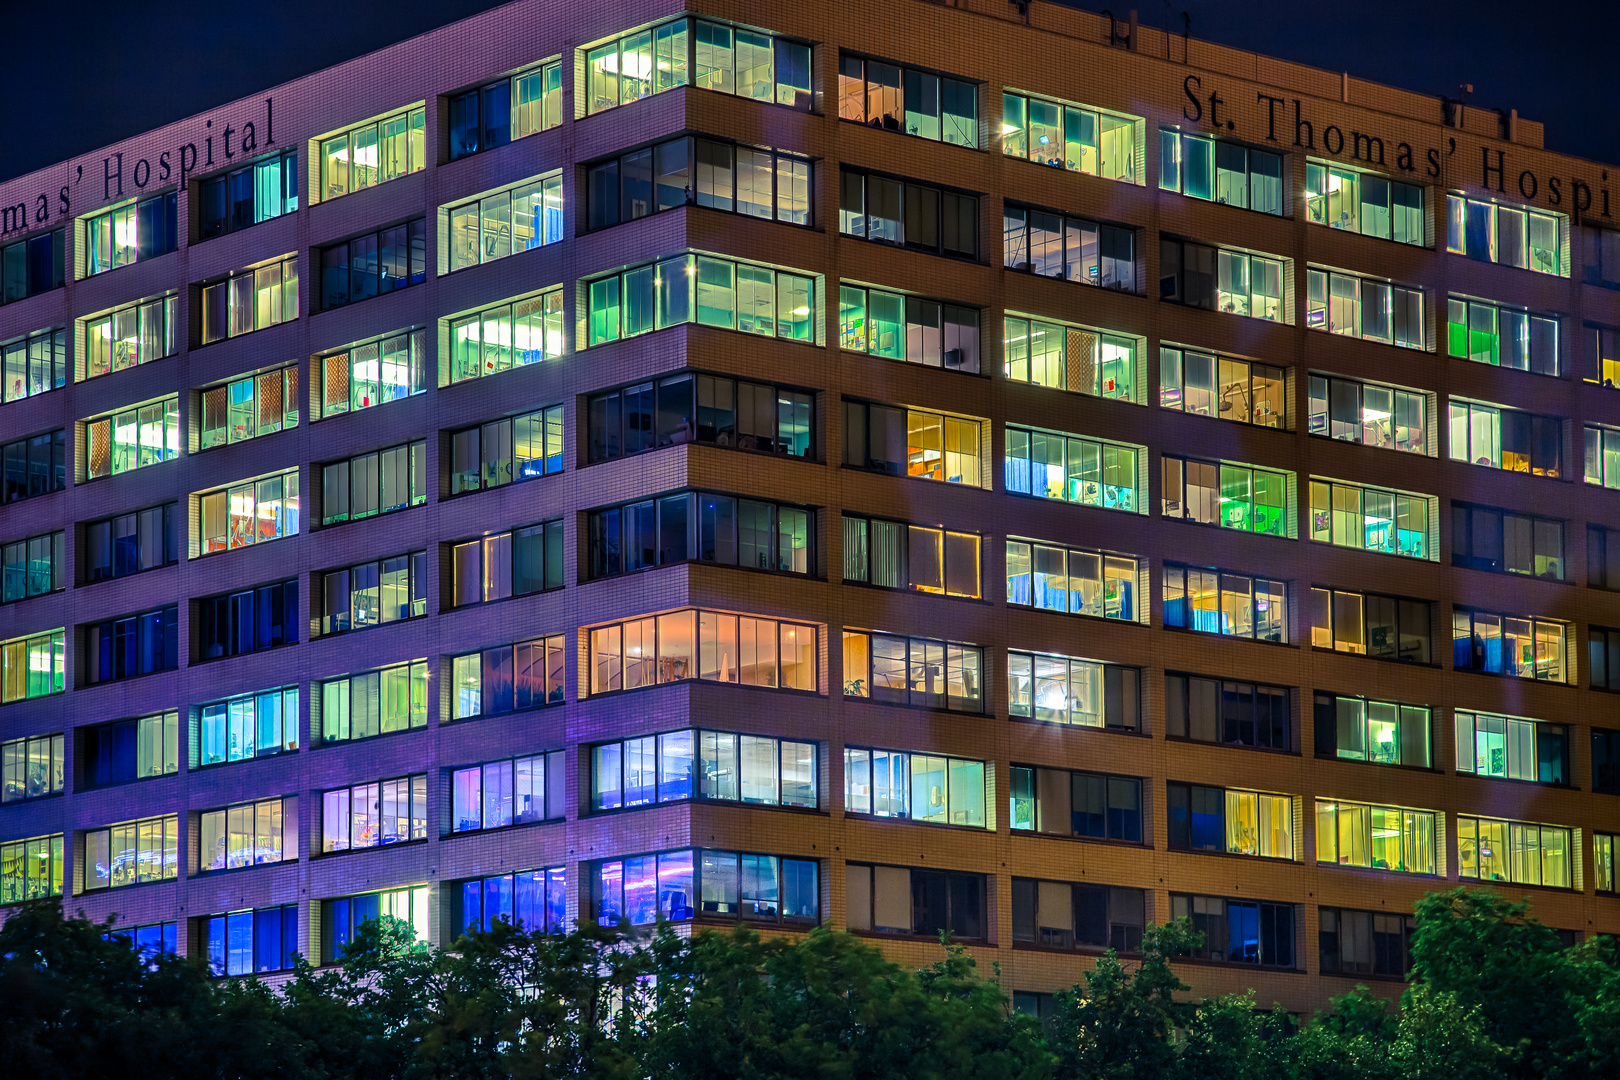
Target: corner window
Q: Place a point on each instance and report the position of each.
(706, 884)
(757, 182)
(720, 647)
(507, 336)
(126, 234)
(926, 672)
(1211, 601)
(34, 365)
(1363, 202)
(1223, 172)
(704, 290)
(1371, 519)
(1067, 690)
(701, 527)
(266, 189)
(373, 153)
(1382, 732)
(710, 765)
(373, 373)
(1049, 244)
(510, 108)
(732, 413)
(1073, 137)
(505, 223)
(507, 678)
(917, 102)
(696, 52)
(249, 300)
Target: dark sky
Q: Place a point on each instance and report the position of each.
(116, 73)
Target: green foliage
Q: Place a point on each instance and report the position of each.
(1493, 995)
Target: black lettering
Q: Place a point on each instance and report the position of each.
(1198, 108)
(228, 132)
(142, 172)
(42, 213)
(1358, 140)
(1555, 191)
(1271, 114)
(1434, 162)
(1527, 174)
(62, 197)
(109, 177)
(187, 164)
(1215, 104)
(210, 141)
(163, 166)
(1403, 160)
(269, 122)
(1327, 139)
(1581, 195)
(1310, 133)
(13, 217)
(1486, 183)
(250, 141)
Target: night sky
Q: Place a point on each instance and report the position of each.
(116, 69)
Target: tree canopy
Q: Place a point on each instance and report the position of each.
(1493, 993)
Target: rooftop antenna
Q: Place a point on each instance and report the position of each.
(1453, 106)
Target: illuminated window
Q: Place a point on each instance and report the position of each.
(894, 555)
(1232, 821)
(705, 884)
(35, 364)
(1512, 748)
(1362, 729)
(1067, 690)
(1369, 308)
(248, 726)
(734, 413)
(758, 182)
(1507, 439)
(1520, 852)
(535, 900)
(705, 290)
(507, 678)
(1080, 582)
(702, 764)
(341, 918)
(709, 645)
(911, 442)
(1517, 646)
(252, 512)
(1369, 624)
(1363, 202)
(1051, 244)
(373, 153)
(1510, 337)
(248, 834)
(505, 223)
(372, 703)
(374, 814)
(926, 672)
(1069, 358)
(126, 234)
(494, 114)
(1369, 413)
(33, 767)
(925, 788)
(1221, 279)
(132, 438)
(248, 300)
(1507, 235)
(1084, 804)
(1073, 137)
(1204, 384)
(244, 409)
(1212, 601)
(917, 102)
(268, 188)
(130, 336)
(1219, 171)
(1071, 468)
(388, 369)
(253, 942)
(507, 336)
(1372, 519)
(516, 791)
(381, 482)
(132, 853)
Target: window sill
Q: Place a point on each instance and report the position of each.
(1463, 879)
(1230, 420)
(693, 204)
(411, 284)
(1099, 620)
(947, 825)
(314, 855)
(1199, 961)
(1230, 637)
(1073, 950)
(468, 492)
(118, 577)
(912, 591)
(36, 596)
(202, 662)
(924, 479)
(1138, 845)
(1223, 202)
(850, 699)
(1430, 665)
(1188, 740)
(1517, 678)
(1069, 502)
(1511, 575)
(1106, 729)
(240, 547)
(1364, 977)
(884, 935)
(701, 682)
(900, 245)
(704, 562)
(104, 889)
(919, 365)
(351, 410)
(878, 125)
(1028, 271)
(1223, 528)
(1519, 782)
(244, 334)
(122, 783)
(227, 870)
(243, 761)
(698, 800)
(1430, 769)
(495, 716)
(323, 526)
(34, 798)
(717, 445)
(54, 693)
(1356, 442)
(1233, 855)
(1418, 875)
(125, 679)
(358, 629)
(453, 834)
(324, 742)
